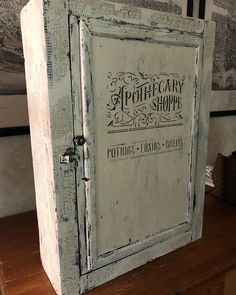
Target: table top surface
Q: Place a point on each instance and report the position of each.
(21, 271)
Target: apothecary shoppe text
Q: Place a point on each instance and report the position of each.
(139, 101)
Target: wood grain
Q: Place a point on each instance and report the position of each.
(214, 286)
(19, 235)
(230, 283)
(24, 286)
(11, 54)
(21, 267)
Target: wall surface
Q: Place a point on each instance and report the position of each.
(222, 137)
(16, 175)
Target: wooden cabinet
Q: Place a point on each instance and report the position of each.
(118, 106)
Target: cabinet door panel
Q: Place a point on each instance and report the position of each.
(140, 104)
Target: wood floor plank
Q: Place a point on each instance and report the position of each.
(214, 286)
(230, 283)
(23, 266)
(2, 282)
(37, 284)
(19, 236)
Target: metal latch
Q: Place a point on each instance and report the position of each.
(68, 156)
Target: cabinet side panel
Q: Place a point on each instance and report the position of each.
(32, 24)
(61, 104)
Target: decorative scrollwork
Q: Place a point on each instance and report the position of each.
(144, 100)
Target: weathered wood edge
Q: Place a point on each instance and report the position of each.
(53, 17)
(33, 34)
(61, 111)
(135, 31)
(78, 131)
(125, 13)
(203, 126)
(89, 153)
(194, 128)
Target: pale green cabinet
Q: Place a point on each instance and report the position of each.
(118, 107)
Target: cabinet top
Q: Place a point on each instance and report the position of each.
(120, 13)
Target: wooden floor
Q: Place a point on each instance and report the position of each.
(206, 267)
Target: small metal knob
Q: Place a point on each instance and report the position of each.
(79, 140)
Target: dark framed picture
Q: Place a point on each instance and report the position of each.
(11, 53)
(223, 12)
(13, 100)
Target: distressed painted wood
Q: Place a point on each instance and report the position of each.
(119, 173)
(39, 118)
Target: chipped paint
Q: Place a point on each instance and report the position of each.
(87, 245)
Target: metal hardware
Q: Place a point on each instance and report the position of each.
(68, 156)
(79, 140)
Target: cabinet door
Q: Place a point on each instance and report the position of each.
(136, 105)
